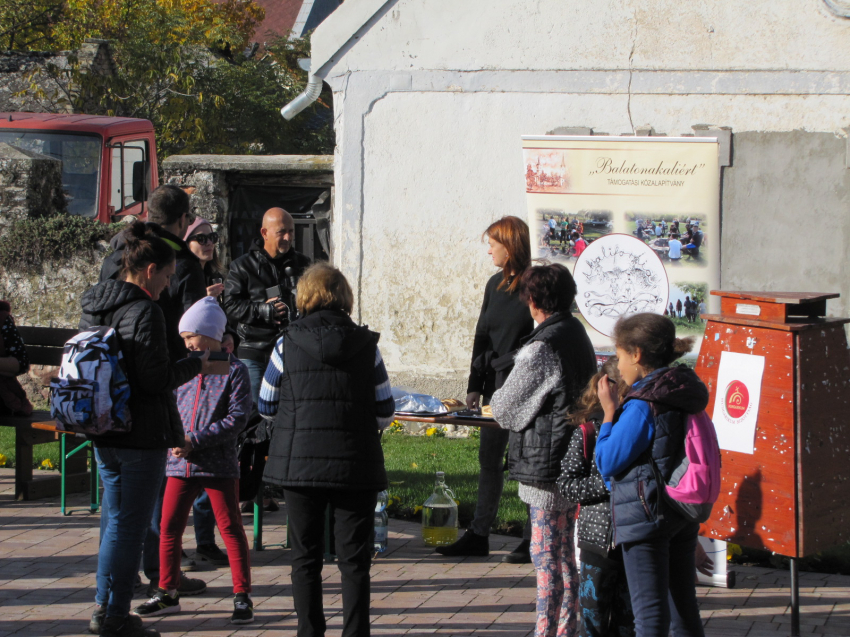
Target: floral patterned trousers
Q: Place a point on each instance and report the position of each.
(553, 555)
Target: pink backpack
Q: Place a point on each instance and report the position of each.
(694, 485)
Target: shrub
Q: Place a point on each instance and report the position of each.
(30, 242)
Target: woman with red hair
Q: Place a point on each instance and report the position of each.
(503, 322)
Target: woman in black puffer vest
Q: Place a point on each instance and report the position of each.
(132, 464)
(327, 392)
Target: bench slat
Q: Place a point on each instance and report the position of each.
(39, 355)
(45, 336)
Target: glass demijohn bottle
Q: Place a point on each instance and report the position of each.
(439, 515)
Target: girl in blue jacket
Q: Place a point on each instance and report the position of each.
(639, 444)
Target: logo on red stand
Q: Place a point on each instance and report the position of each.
(737, 401)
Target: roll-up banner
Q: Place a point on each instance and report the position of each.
(635, 219)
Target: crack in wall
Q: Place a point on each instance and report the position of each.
(631, 73)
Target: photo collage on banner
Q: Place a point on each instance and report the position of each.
(635, 219)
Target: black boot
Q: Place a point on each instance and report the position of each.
(520, 555)
(469, 544)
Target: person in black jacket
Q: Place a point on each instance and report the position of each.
(169, 216)
(503, 321)
(132, 464)
(329, 395)
(259, 318)
(606, 608)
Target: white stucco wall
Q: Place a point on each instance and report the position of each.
(431, 98)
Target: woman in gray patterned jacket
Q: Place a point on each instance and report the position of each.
(606, 608)
(550, 371)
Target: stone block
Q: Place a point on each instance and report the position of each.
(30, 185)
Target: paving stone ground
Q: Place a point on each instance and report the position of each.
(47, 563)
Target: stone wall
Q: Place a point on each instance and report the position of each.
(210, 178)
(49, 73)
(30, 184)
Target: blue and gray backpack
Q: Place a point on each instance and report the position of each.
(91, 393)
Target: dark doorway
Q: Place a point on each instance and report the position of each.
(310, 206)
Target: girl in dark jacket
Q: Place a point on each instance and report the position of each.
(638, 445)
(132, 464)
(327, 390)
(606, 609)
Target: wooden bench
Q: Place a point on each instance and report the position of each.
(44, 347)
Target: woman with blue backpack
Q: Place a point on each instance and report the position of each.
(132, 461)
(640, 443)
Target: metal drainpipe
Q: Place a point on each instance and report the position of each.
(308, 96)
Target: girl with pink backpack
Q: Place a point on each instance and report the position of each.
(641, 445)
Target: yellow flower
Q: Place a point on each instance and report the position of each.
(431, 431)
(46, 464)
(413, 465)
(732, 550)
(3, 460)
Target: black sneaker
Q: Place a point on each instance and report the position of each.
(470, 544)
(211, 553)
(160, 604)
(520, 555)
(130, 626)
(243, 609)
(97, 618)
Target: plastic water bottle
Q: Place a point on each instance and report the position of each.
(439, 515)
(381, 523)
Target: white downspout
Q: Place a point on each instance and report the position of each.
(308, 96)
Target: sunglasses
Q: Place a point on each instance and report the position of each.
(202, 239)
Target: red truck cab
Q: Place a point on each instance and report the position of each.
(109, 164)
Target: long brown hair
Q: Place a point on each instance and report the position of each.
(512, 232)
(588, 403)
(655, 335)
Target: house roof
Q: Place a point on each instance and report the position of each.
(295, 16)
(280, 17)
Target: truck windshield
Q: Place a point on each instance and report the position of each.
(80, 157)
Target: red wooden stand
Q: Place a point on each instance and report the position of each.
(789, 496)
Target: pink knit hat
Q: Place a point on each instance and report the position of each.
(197, 223)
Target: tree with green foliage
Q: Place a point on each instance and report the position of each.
(697, 291)
(189, 67)
(28, 24)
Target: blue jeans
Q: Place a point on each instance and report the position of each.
(131, 483)
(256, 371)
(204, 522)
(662, 582)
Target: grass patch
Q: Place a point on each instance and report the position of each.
(48, 450)
(411, 463)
